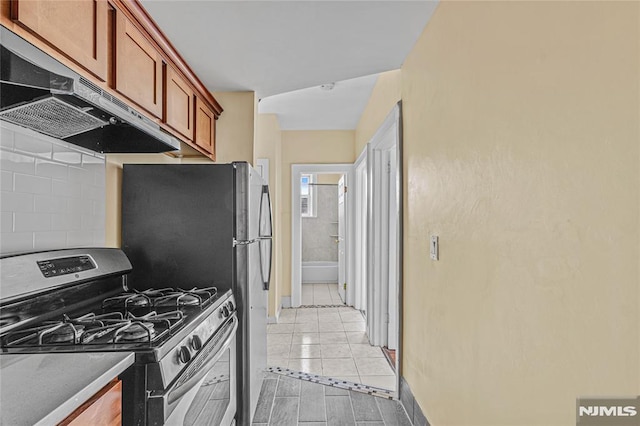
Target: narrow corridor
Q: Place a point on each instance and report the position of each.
(330, 342)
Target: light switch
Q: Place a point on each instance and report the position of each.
(434, 249)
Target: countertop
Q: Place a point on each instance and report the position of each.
(43, 389)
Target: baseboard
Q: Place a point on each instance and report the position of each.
(274, 319)
(411, 406)
(286, 301)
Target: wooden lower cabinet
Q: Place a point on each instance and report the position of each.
(104, 408)
(205, 127)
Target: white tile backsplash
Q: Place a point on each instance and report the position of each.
(66, 155)
(6, 222)
(51, 169)
(65, 188)
(79, 239)
(50, 204)
(46, 240)
(16, 162)
(31, 144)
(53, 193)
(6, 180)
(31, 184)
(12, 242)
(6, 138)
(16, 202)
(25, 222)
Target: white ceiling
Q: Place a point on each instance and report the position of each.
(274, 47)
(315, 109)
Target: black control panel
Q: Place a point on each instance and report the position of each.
(65, 265)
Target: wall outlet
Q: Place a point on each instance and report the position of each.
(434, 247)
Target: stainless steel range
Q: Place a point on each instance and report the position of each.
(80, 300)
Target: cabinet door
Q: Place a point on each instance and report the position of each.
(138, 67)
(104, 408)
(179, 106)
(78, 28)
(205, 126)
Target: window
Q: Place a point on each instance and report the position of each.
(307, 195)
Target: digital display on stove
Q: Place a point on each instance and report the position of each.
(65, 265)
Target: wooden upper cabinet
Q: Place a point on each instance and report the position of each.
(179, 104)
(138, 67)
(77, 28)
(205, 127)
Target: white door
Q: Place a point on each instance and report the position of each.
(341, 243)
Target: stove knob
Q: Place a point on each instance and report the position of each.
(231, 306)
(225, 311)
(196, 343)
(184, 356)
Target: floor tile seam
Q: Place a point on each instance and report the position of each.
(330, 381)
(353, 411)
(273, 401)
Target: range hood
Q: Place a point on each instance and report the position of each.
(40, 93)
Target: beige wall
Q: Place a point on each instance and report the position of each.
(268, 145)
(235, 127)
(386, 93)
(328, 178)
(521, 137)
(306, 147)
(234, 142)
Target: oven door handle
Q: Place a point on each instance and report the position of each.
(201, 364)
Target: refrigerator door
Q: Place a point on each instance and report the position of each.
(258, 328)
(252, 345)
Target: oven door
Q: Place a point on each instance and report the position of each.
(205, 393)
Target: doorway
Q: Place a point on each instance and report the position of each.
(341, 175)
(323, 241)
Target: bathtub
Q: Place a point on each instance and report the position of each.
(319, 272)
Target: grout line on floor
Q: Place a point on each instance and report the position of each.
(273, 401)
(329, 381)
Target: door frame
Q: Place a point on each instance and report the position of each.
(296, 225)
(359, 290)
(376, 297)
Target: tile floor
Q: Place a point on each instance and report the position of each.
(330, 342)
(285, 401)
(321, 294)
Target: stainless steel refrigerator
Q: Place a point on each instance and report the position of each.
(209, 225)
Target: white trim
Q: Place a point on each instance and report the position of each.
(262, 165)
(296, 232)
(359, 290)
(286, 302)
(274, 319)
(386, 138)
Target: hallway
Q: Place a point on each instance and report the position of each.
(330, 342)
(321, 294)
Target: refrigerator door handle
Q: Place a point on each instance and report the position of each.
(265, 214)
(243, 243)
(266, 274)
